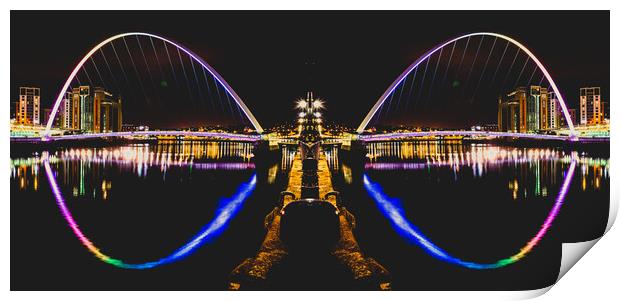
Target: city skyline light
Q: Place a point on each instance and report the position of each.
(313, 66)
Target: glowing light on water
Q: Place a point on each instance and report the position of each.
(391, 208)
(228, 208)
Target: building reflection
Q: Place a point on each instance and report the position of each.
(331, 153)
(542, 167)
(77, 168)
(272, 174)
(288, 154)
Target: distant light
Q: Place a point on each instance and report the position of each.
(302, 114)
(300, 120)
(302, 104)
(317, 114)
(317, 104)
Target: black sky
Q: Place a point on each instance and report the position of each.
(263, 55)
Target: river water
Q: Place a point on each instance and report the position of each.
(191, 211)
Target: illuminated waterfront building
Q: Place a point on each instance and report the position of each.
(591, 109)
(111, 114)
(544, 108)
(83, 101)
(511, 115)
(93, 110)
(66, 112)
(75, 109)
(99, 96)
(537, 109)
(555, 111)
(27, 109)
(508, 113)
(524, 110)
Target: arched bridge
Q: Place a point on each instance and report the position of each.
(228, 89)
(399, 80)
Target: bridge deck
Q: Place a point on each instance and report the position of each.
(459, 133)
(295, 175)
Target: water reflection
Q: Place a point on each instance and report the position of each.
(394, 212)
(546, 165)
(331, 153)
(224, 213)
(288, 154)
(79, 163)
(136, 173)
(429, 187)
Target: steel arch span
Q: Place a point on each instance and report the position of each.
(194, 56)
(421, 59)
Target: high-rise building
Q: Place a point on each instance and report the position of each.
(65, 112)
(86, 108)
(508, 113)
(537, 109)
(99, 97)
(93, 110)
(544, 108)
(86, 103)
(591, 110)
(511, 111)
(521, 95)
(555, 111)
(75, 109)
(527, 110)
(28, 106)
(111, 114)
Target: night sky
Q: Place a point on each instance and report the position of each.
(347, 58)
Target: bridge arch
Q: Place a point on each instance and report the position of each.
(421, 59)
(391, 209)
(226, 211)
(186, 50)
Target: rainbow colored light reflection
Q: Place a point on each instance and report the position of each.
(391, 208)
(227, 209)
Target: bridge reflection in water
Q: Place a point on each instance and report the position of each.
(90, 173)
(408, 181)
(117, 180)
